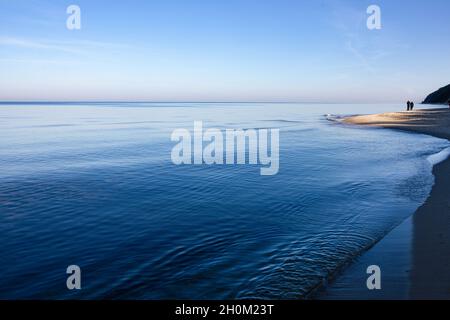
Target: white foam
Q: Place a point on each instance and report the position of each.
(333, 117)
(436, 158)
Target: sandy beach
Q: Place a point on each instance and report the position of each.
(429, 272)
(435, 122)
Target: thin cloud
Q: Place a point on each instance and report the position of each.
(351, 23)
(73, 47)
(361, 57)
(39, 61)
(40, 45)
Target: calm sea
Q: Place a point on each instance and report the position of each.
(94, 185)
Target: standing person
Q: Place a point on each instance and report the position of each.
(412, 105)
(408, 105)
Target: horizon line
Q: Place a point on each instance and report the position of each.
(178, 101)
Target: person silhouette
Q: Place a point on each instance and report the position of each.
(408, 105)
(412, 105)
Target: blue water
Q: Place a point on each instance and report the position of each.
(94, 185)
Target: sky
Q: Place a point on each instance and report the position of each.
(223, 50)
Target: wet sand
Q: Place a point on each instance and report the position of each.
(429, 269)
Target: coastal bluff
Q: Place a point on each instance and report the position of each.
(441, 96)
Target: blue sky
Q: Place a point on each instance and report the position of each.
(233, 50)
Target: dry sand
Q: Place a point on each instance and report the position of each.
(430, 270)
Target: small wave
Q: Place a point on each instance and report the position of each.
(337, 117)
(333, 117)
(436, 158)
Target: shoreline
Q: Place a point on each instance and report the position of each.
(425, 271)
(434, 122)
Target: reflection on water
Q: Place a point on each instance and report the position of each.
(94, 185)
